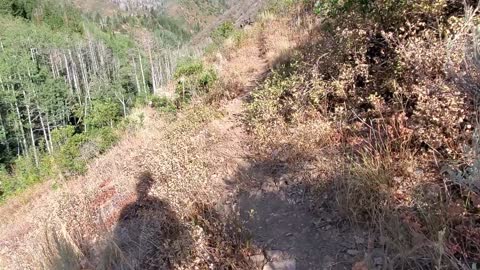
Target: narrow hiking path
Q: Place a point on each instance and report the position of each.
(205, 154)
(273, 206)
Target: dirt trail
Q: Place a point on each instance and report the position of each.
(270, 201)
(272, 205)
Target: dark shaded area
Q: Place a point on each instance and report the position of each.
(148, 234)
(287, 219)
(224, 238)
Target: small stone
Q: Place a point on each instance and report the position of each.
(418, 172)
(352, 252)
(257, 260)
(359, 240)
(274, 255)
(378, 261)
(289, 264)
(398, 179)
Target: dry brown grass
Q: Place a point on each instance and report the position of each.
(188, 156)
(402, 108)
(371, 116)
(178, 155)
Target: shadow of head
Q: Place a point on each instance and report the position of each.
(144, 184)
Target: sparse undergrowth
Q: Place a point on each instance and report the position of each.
(376, 104)
(394, 88)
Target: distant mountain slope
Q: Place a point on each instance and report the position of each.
(243, 11)
(192, 11)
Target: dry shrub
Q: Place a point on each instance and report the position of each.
(375, 189)
(226, 88)
(224, 243)
(399, 85)
(62, 251)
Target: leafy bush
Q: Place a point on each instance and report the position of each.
(103, 138)
(276, 99)
(193, 78)
(162, 104)
(224, 31)
(24, 173)
(18, 8)
(69, 156)
(103, 113)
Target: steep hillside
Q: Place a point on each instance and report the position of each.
(69, 78)
(196, 13)
(316, 135)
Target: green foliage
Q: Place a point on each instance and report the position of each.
(193, 78)
(61, 135)
(223, 32)
(276, 99)
(25, 173)
(103, 114)
(69, 157)
(61, 16)
(18, 8)
(79, 149)
(103, 138)
(389, 13)
(336, 7)
(69, 78)
(162, 104)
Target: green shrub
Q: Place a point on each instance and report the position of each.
(69, 156)
(223, 32)
(162, 104)
(103, 113)
(193, 78)
(5, 182)
(61, 135)
(24, 173)
(103, 138)
(188, 67)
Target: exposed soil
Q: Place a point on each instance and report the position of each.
(285, 224)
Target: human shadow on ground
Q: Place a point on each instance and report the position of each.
(148, 234)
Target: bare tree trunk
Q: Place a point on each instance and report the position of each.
(143, 74)
(136, 74)
(52, 65)
(49, 134)
(44, 130)
(85, 114)
(75, 78)
(92, 54)
(69, 78)
(121, 98)
(20, 124)
(29, 116)
(152, 69)
(83, 69)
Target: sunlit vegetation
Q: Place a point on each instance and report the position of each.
(68, 79)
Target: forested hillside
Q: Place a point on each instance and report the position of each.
(68, 76)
